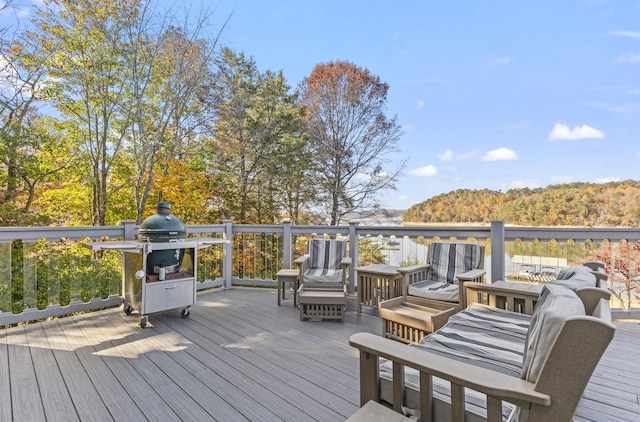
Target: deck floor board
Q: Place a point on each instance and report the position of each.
(238, 357)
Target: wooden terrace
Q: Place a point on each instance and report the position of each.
(238, 357)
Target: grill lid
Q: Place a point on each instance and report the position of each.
(163, 226)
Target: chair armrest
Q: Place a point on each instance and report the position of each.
(346, 262)
(495, 385)
(301, 259)
(472, 275)
(303, 263)
(412, 274)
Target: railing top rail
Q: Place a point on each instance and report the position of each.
(8, 234)
(573, 233)
(32, 234)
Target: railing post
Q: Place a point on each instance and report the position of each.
(128, 229)
(286, 242)
(228, 253)
(497, 250)
(353, 253)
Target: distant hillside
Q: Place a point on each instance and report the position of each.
(615, 204)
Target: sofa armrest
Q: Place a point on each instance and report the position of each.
(476, 275)
(496, 386)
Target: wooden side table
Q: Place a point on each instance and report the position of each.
(288, 275)
(408, 322)
(377, 282)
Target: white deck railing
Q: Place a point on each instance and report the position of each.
(44, 271)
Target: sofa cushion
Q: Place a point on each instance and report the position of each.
(570, 272)
(479, 335)
(576, 277)
(556, 304)
(483, 336)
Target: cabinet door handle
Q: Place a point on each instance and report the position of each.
(170, 287)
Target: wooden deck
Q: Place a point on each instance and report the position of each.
(238, 357)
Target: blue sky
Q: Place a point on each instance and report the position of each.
(490, 94)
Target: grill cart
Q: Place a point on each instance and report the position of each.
(159, 271)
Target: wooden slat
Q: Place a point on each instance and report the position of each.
(238, 357)
(26, 403)
(50, 380)
(5, 380)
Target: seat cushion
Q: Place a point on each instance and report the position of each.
(435, 290)
(483, 336)
(319, 275)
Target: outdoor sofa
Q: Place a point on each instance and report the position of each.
(492, 364)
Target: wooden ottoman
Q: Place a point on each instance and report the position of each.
(322, 303)
(409, 322)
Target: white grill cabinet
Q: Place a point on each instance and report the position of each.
(146, 292)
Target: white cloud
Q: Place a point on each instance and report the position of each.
(446, 156)
(449, 155)
(562, 132)
(499, 60)
(426, 171)
(420, 104)
(629, 34)
(629, 58)
(500, 154)
(635, 92)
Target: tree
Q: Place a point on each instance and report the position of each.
(349, 136)
(254, 166)
(171, 90)
(75, 43)
(30, 149)
(131, 87)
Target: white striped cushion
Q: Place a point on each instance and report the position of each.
(325, 261)
(479, 335)
(450, 259)
(326, 253)
(435, 290)
(320, 275)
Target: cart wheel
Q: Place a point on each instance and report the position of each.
(143, 322)
(128, 309)
(185, 312)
